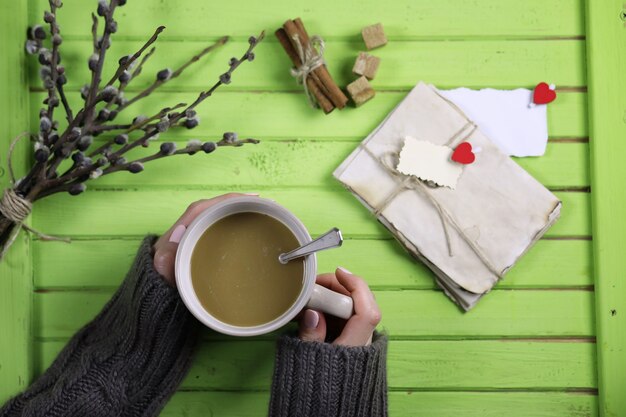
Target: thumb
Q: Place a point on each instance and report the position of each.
(312, 326)
(165, 255)
(164, 260)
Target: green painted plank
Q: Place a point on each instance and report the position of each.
(496, 365)
(407, 19)
(480, 63)
(574, 205)
(567, 116)
(143, 211)
(412, 365)
(251, 113)
(501, 313)
(565, 165)
(15, 268)
(607, 110)
(549, 264)
(443, 404)
(406, 314)
(414, 404)
(222, 404)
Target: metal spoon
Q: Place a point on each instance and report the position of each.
(330, 239)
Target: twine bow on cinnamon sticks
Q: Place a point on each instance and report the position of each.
(307, 55)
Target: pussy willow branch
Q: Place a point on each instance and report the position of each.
(157, 83)
(52, 85)
(53, 148)
(122, 67)
(110, 127)
(137, 71)
(185, 151)
(138, 125)
(54, 60)
(66, 105)
(190, 149)
(85, 115)
(56, 160)
(125, 64)
(90, 105)
(224, 78)
(134, 74)
(111, 157)
(94, 32)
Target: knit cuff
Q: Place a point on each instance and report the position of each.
(128, 360)
(321, 379)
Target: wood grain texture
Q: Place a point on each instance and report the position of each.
(15, 268)
(137, 212)
(480, 63)
(413, 365)
(414, 404)
(279, 164)
(607, 110)
(384, 264)
(475, 404)
(526, 350)
(444, 20)
(503, 313)
(419, 404)
(566, 116)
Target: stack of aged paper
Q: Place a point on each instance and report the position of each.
(469, 235)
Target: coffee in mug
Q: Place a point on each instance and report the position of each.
(236, 273)
(229, 276)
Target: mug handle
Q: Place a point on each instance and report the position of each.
(331, 302)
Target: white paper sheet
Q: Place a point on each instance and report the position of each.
(505, 118)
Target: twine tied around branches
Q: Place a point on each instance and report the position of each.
(15, 208)
(312, 56)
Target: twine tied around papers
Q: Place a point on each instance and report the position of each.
(312, 56)
(15, 208)
(409, 182)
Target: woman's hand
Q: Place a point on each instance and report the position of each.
(165, 248)
(356, 331)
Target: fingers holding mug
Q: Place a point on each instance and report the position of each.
(312, 326)
(360, 327)
(165, 247)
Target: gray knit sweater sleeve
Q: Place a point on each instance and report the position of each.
(127, 361)
(323, 380)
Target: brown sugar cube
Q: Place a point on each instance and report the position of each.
(360, 91)
(374, 36)
(366, 65)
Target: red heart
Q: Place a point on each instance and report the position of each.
(463, 154)
(543, 94)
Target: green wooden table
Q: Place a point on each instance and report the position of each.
(548, 341)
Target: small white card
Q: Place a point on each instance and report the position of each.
(429, 162)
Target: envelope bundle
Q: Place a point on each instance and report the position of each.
(469, 235)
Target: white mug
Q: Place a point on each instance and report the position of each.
(311, 295)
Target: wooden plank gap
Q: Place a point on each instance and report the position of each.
(558, 139)
(574, 390)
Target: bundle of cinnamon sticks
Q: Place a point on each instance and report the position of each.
(319, 82)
